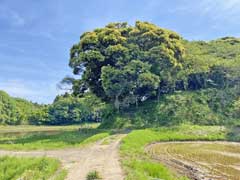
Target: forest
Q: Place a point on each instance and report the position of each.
(140, 76)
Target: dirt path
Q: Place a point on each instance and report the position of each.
(100, 156)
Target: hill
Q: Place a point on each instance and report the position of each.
(15, 111)
(141, 76)
(152, 76)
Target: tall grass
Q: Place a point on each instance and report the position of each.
(139, 166)
(12, 168)
(34, 128)
(52, 141)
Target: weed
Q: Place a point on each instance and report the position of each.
(12, 168)
(54, 141)
(93, 175)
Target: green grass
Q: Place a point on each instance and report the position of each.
(13, 168)
(139, 166)
(93, 175)
(61, 175)
(108, 140)
(57, 140)
(32, 128)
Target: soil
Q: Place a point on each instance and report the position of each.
(79, 162)
(193, 170)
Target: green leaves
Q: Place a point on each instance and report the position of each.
(121, 62)
(236, 109)
(128, 64)
(14, 111)
(114, 81)
(129, 84)
(149, 80)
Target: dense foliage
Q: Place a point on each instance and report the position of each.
(170, 80)
(126, 64)
(71, 110)
(203, 107)
(66, 109)
(213, 64)
(15, 110)
(141, 75)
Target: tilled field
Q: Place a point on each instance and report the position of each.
(199, 160)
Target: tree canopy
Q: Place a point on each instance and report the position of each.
(150, 75)
(127, 64)
(66, 109)
(15, 110)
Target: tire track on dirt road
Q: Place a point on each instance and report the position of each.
(99, 156)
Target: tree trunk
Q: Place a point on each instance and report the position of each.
(117, 103)
(136, 102)
(158, 94)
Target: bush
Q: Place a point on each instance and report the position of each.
(202, 107)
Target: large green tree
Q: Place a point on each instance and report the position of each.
(126, 64)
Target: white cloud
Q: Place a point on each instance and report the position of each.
(17, 88)
(17, 19)
(204, 7)
(230, 4)
(41, 92)
(221, 9)
(11, 16)
(219, 12)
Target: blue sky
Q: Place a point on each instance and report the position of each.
(36, 35)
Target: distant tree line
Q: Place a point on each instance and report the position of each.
(66, 109)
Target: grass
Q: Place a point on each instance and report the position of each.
(33, 128)
(61, 139)
(42, 138)
(61, 175)
(93, 175)
(214, 156)
(13, 168)
(139, 166)
(108, 140)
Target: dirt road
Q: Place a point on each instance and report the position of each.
(100, 156)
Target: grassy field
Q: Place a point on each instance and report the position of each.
(42, 137)
(13, 168)
(138, 165)
(32, 128)
(218, 159)
(37, 137)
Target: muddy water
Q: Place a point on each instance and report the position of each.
(22, 134)
(50, 132)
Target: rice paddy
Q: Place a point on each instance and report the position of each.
(200, 160)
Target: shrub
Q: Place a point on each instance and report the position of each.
(93, 175)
